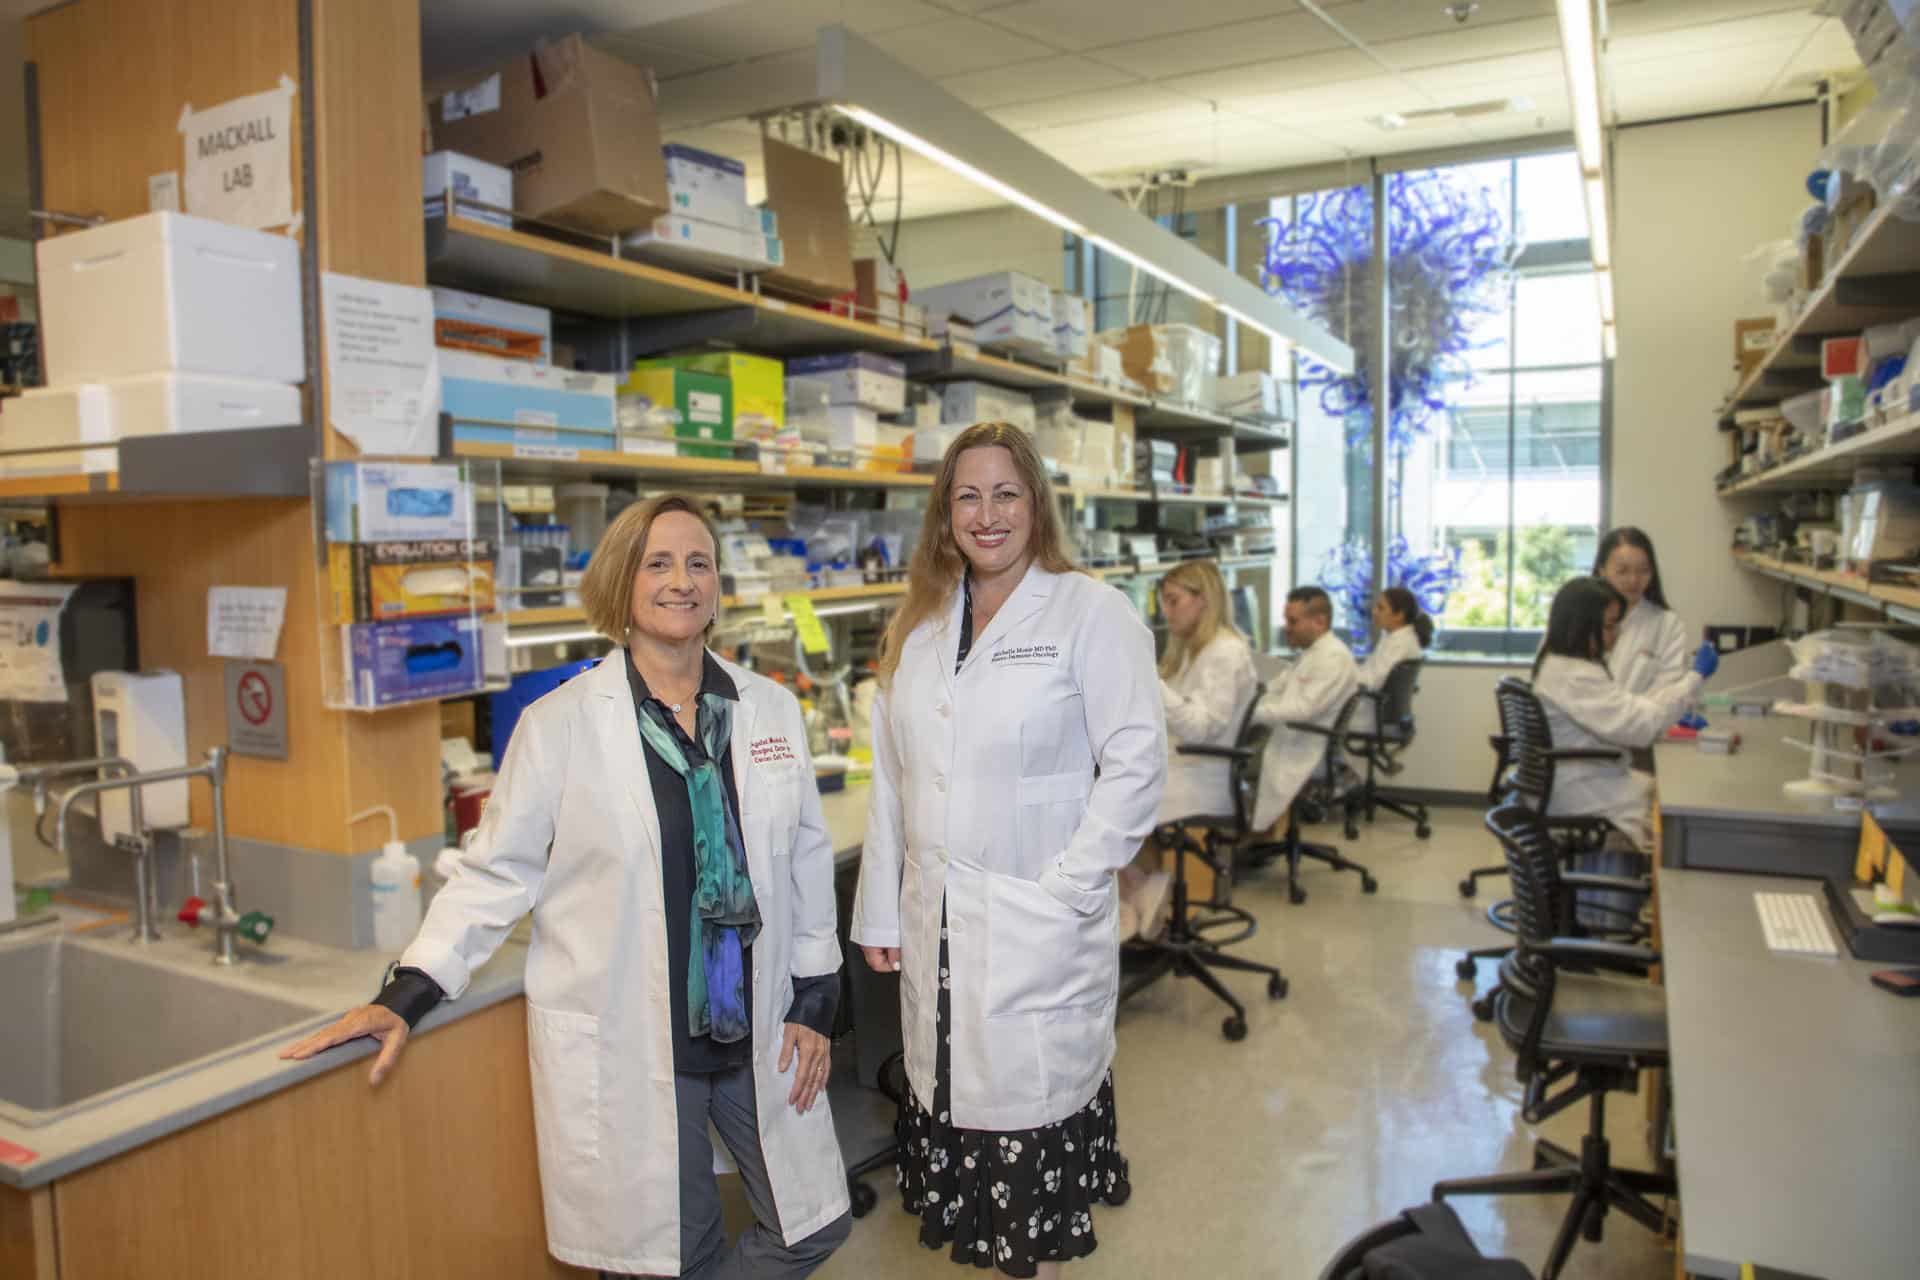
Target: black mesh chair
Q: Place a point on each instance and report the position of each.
(1332, 786)
(1380, 748)
(1425, 1241)
(1583, 1022)
(1192, 944)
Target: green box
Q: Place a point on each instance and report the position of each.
(702, 401)
(759, 386)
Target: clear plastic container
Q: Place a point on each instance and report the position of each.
(583, 509)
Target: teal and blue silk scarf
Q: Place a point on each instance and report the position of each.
(725, 918)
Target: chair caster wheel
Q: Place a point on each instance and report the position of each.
(1121, 1193)
(1296, 895)
(862, 1197)
(1422, 831)
(1369, 885)
(1466, 969)
(1483, 1009)
(1234, 1028)
(1469, 887)
(1353, 832)
(1276, 988)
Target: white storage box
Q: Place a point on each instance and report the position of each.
(965, 403)
(846, 426)
(168, 293)
(872, 381)
(683, 241)
(160, 403)
(1007, 309)
(930, 443)
(1256, 394)
(704, 178)
(1072, 322)
(471, 180)
(44, 417)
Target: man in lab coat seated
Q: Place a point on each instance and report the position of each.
(1313, 689)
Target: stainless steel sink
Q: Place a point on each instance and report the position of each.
(87, 1021)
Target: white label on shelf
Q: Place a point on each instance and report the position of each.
(546, 452)
(704, 407)
(244, 622)
(383, 378)
(30, 668)
(163, 192)
(773, 304)
(536, 417)
(238, 159)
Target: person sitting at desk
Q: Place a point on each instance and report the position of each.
(1405, 631)
(1652, 648)
(1313, 689)
(1586, 708)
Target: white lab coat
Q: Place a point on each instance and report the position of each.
(1314, 689)
(1587, 710)
(985, 797)
(1651, 649)
(1392, 649)
(1205, 702)
(571, 834)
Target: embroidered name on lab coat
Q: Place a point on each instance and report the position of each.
(771, 750)
(1027, 655)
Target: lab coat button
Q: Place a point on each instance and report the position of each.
(944, 710)
(940, 783)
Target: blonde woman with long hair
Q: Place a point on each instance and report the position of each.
(1207, 682)
(1018, 757)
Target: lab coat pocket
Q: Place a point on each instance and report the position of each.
(565, 1052)
(1044, 956)
(1051, 807)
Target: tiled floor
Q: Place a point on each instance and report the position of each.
(1341, 1107)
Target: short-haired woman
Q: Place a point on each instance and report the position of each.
(1018, 757)
(658, 816)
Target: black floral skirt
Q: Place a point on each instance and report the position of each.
(1006, 1200)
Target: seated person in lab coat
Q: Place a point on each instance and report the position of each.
(1586, 708)
(682, 894)
(1207, 681)
(1651, 650)
(1314, 689)
(1403, 633)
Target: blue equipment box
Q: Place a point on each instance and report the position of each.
(411, 659)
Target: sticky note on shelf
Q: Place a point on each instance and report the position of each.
(813, 636)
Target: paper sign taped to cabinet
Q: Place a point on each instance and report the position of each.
(238, 159)
(383, 376)
(30, 668)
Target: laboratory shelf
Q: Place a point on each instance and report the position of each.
(1832, 467)
(251, 462)
(1900, 603)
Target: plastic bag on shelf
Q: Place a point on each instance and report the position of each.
(1775, 270)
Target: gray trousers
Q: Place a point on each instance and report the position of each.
(726, 1098)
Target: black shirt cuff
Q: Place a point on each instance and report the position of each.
(815, 1001)
(412, 994)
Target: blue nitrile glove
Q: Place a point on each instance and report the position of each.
(1706, 660)
(1693, 720)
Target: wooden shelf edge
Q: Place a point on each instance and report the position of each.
(1852, 588)
(1908, 424)
(560, 615)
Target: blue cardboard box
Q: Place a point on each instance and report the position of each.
(411, 659)
(497, 401)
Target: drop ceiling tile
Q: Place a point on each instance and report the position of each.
(1640, 17)
(1234, 44)
(1266, 79)
(1494, 77)
(1035, 80)
(1381, 21)
(755, 28)
(1715, 39)
(1080, 25)
(1469, 45)
(956, 46)
(1103, 104)
(663, 61)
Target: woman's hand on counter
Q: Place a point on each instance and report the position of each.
(815, 1053)
(377, 1021)
(883, 959)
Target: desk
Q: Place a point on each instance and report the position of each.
(1794, 1094)
(1730, 813)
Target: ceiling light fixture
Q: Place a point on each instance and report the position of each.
(1599, 233)
(1581, 51)
(868, 87)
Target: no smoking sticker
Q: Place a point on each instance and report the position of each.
(257, 709)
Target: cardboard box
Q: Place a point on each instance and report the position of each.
(577, 128)
(697, 178)
(1256, 394)
(397, 501)
(701, 402)
(1175, 361)
(497, 401)
(1007, 309)
(1072, 325)
(411, 659)
(375, 581)
(759, 387)
(965, 403)
(878, 294)
(1753, 338)
(891, 452)
(706, 246)
(1813, 267)
(470, 179)
(492, 326)
(808, 194)
(856, 377)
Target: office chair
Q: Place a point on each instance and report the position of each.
(1331, 785)
(1577, 1034)
(1191, 947)
(1426, 1240)
(1392, 733)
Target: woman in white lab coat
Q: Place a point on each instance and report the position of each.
(1587, 709)
(658, 817)
(1018, 758)
(1207, 682)
(1652, 650)
(1403, 632)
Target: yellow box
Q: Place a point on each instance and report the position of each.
(377, 581)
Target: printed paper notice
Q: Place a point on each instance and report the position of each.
(244, 622)
(383, 379)
(813, 636)
(30, 640)
(238, 159)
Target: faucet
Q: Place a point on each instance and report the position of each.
(222, 914)
(144, 889)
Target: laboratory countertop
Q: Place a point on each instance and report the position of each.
(323, 980)
(1751, 782)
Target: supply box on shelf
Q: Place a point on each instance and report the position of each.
(497, 401)
(862, 378)
(700, 406)
(470, 179)
(966, 402)
(397, 502)
(169, 293)
(144, 404)
(1009, 310)
(758, 382)
(1072, 325)
(709, 246)
(1256, 394)
(411, 659)
(492, 326)
(1173, 361)
(808, 194)
(578, 128)
(377, 581)
(1753, 338)
(878, 294)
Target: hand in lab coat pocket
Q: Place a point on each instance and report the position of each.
(1044, 955)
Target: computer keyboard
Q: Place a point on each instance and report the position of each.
(1794, 923)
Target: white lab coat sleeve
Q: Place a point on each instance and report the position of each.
(1304, 693)
(816, 921)
(1609, 712)
(1120, 692)
(876, 904)
(1207, 714)
(1670, 656)
(497, 877)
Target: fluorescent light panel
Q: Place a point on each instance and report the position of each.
(1599, 231)
(1608, 342)
(913, 141)
(1583, 80)
(1603, 284)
